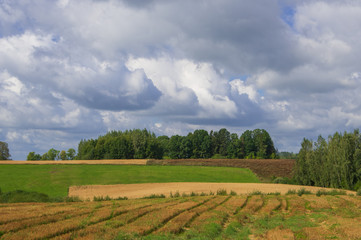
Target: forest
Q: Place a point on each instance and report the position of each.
(335, 162)
(140, 144)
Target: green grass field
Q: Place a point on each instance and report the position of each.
(54, 180)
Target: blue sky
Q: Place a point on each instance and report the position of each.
(71, 70)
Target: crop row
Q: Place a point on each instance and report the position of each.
(260, 215)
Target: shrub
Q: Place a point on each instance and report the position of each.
(283, 180)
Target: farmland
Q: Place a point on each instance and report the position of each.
(199, 217)
(263, 168)
(54, 180)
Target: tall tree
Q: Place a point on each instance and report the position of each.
(4, 151)
(221, 141)
(32, 156)
(63, 155)
(70, 154)
(53, 154)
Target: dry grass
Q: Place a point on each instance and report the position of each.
(133, 191)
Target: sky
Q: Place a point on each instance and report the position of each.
(75, 69)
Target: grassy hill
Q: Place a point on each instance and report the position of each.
(54, 180)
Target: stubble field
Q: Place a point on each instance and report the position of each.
(199, 217)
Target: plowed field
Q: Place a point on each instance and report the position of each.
(264, 168)
(201, 217)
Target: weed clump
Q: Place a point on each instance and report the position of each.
(154, 196)
(101, 198)
(333, 192)
(274, 193)
(291, 191)
(221, 192)
(302, 191)
(233, 193)
(256, 193)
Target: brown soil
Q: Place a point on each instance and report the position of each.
(146, 189)
(265, 168)
(107, 161)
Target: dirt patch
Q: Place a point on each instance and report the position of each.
(266, 168)
(146, 189)
(90, 162)
(278, 233)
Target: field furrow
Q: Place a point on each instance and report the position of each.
(199, 217)
(177, 224)
(157, 219)
(296, 204)
(254, 204)
(99, 212)
(271, 204)
(119, 219)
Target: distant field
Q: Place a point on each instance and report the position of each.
(54, 180)
(264, 168)
(200, 217)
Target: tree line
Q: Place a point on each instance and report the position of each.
(140, 144)
(334, 163)
(53, 154)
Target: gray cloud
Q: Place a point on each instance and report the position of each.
(75, 69)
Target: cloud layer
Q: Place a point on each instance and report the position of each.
(75, 69)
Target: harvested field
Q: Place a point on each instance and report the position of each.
(265, 168)
(145, 189)
(201, 217)
(90, 162)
